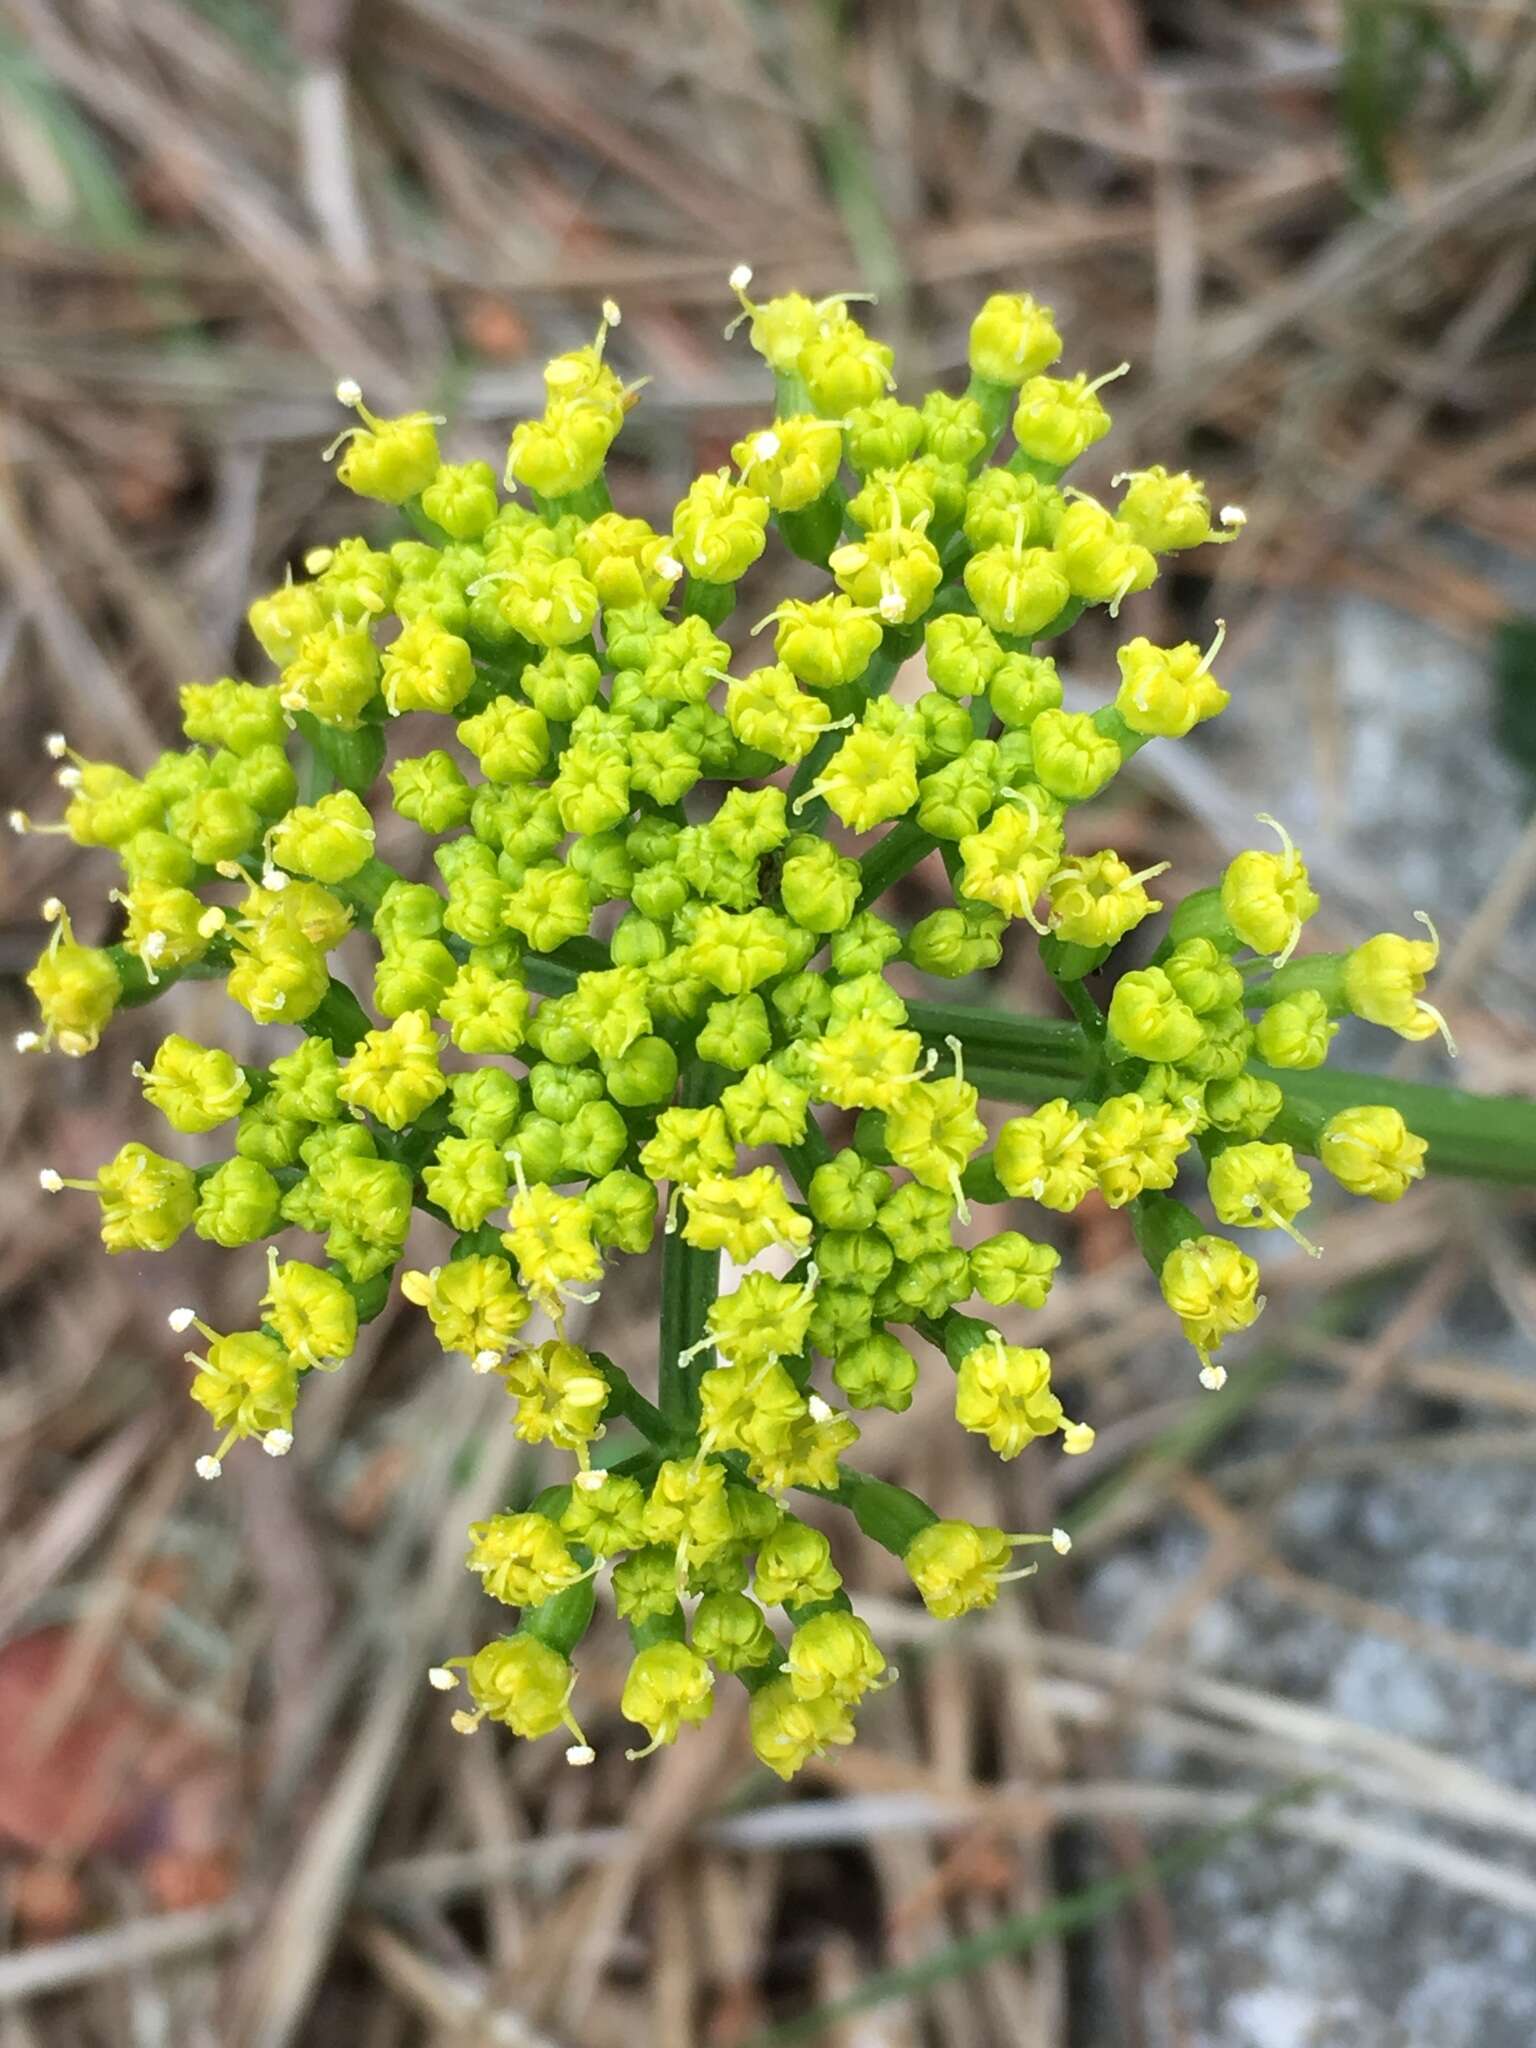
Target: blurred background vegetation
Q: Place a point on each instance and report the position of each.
(228, 1811)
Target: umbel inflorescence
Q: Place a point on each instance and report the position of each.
(645, 1003)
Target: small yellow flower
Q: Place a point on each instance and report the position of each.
(1370, 1151)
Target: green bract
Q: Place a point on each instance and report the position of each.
(731, 1071)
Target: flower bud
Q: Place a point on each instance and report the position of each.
(475, 1305)
(718, 528)
(1213, 1289)
(790, 463)
(834, 1656)
(146, 1201)
(1017, 590)
(426, 669)
(1003, 1392)
(390, 460)
(1166, 691)
(1370, 1151)
(786, 1731)
(328, 840)
(521, 1560)
(1058, 418)
(1013, 339)
(622, 1207)
(194, 1087)
(730, 1631)
(248, 1387)
(1013, 1268)
(240, 716)
(236, 1204)
(954, 430)
(825, 641)
(461, 499)
(1150, 1020)
(1267, 898)
(1167, 512)
(881, 435)
(794, 1567)
(312, 1311)
(957, 1567)
(523, 1684)
(333, 675)
(467, 1180)
(77, 989)
(508, 739)
(1296, 1032)
(607, 1517)
(877, 1371)
(1260, 1186)
(1009, 862)
(769, 711)
(1045, 1156)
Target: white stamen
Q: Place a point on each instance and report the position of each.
(182, 1319)
(50, 1180)
(581, 1754)
(740, 277)
(17, 820)
(53, 909)
(1061, 1542)
(893, 606)
(441, 1679)
(590, 1482)
(766, 445)
(668, 565)
(207, 1468)
(56, 745)
(611, 314)
(1233, 515)
(485, 1361)
(277, 1443)
(273, 879)
(349, 392)
(1213, 1377)
(28, 1041)
(819, 1411)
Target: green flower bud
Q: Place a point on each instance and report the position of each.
(1103, 562)
(1073, 759)
(77, 990)
(877, 1371)
(1167, 512)
(881, 435)
(1013, 1268)
(328, 840)
(864, 945)
(467, 1180)
(429, 790)
(155, 856)
(786, 1731)
(645, 1073)
(731, 1632)
(1007, 508)
(593, 1142)
(268, 1135)
(718, 529)
(1296, 1032)
(953, 429)
(840, 1317)
(1244, 1106)
(1203, 977)
(845, 1194)
(1017, 591)
(427, 669)
(645, 1585)
(462, 499)
(194, 1087)
(769, 711)
(1058, 418)
(819, 888)
(794, 1566)
(508, 739)
(236, 1204)
(965, 940)
(240, 716)
(355, 583)
(334, 675)
(765, 1107)
(953, 800)
(550, 905)
(843, 368)
(917, 1219)
(286, 618)
(622, 1207)
(833, 1656)
(961, 652)
(928, 1286)
(1013, 339)
(802, 1004)
(485, 1012)
(282, 978)
(1150, 1020)
(735, 1032)
(262, 778)
(216, 824)
(394, 1074)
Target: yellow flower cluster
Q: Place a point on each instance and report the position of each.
(636, 986)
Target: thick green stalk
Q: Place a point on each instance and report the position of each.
(690, 1284)
(1032, 1059)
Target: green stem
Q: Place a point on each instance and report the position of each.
(626, 1399)
(1032, 1059)
(690, 1284)
(891, 857)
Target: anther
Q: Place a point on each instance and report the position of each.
(207, 1468)
(50, 1180)
(182, 1319)
(441, 1679)
(277, 1443)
